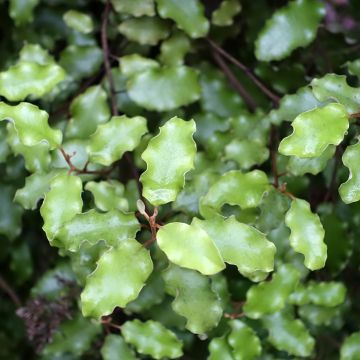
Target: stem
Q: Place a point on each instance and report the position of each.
(11, 293)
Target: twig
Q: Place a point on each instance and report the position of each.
(11, 293)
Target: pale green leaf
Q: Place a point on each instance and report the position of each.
(31, 124)
(194, 298)
(271, 296)
(225, 13)
(152, 338)
(78, 21)
(188, 15)
(111, 140)
(135, 7)
(190, 247)
(290, 27)
(118, 278)
(350, 349)
(115, 348)
(174, 49)
(135, 63)
(169, 156)
(219, 349)
(21, 11)
(307, 234)
(241, 245)
(350, 190)
(165, 88)
(113, 227)
(354, 67)
(315, 130)
(35, 53)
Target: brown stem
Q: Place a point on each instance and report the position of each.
(11, 293)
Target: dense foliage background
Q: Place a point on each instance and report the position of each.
(179, 179)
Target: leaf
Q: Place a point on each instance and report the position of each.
(189, 16)
(21, 11)
(145, 30)
(170, 88)
(271, 296)
(288, 334)
(335, 88)
(225, 13)
(225, 191)
(115, 348)
(88, 110)
(28, 78)
(174, 49)
(61, 204)
(31, 124)
(169, 156)
(111, 140)
(240, 245)
(219, 349)
(350, 349)
(290, 27)
(240, 335)
(190, 247)
(135, 7)
(113, 227)
(152, 338)
(135, 63)
(319, 315)
(307, 234)
(194, 298)
(350, 190)
(128, 265)
(315, 130)
(35, 53)
(78, 21)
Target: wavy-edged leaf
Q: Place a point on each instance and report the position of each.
(320, 315)
(31, 124)
(78, 21)
(174, 49)
(350, 349)
(189, 16)
(169, 156)
(194, 298)
(62, 202)
(271, 296)
(235, 188)
(135, 63)
(190, 247)
(120, 274)
(115, 348)
(307, 234)
(152, 338)
(219, 349)
(113, 139)
(21, 11)
(315, 130)
(290, 27)
(164, 88)
(35, 53)
(225, 13)
(113, 227)
(350, 190)
(135, 7)
(241, 245)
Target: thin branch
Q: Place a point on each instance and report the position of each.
(11, 293)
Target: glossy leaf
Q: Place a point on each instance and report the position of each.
(219, 349)
(225, 13)
(290, 27)
(78, 21)
(307, 234)
(170, 87)
(320, 315)
(189, 16)
(315, 130)
(169, 156)
(135, 63)
(135, 7)
(174, 49)
(113, 139)
(190, 247)
(35, 53)
(350, 349)
(128, 264)
(21, 11)
(194, 298)
(152, 338)
(115, 348)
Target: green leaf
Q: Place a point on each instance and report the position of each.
(169, 156)
(88, 110)
(31, 124)
(315, 130)
(135, 63)
(135, 7)
(194, 299)
(128, 265)
(290, 27)
(61, 203)
(21, 11)
(113, 227)
(145, 30)
(240, 335)
(152, 338)
(190, 247)
(165, 88)
(189, 16)
(174, 49)
(225, 191)
(350, 349)
(115, 348)
(219, 349)
(307, 234)
(111, 140)
(35, 53)
(225, 13)
(335, 88)
(78, 21)
(319, 315)
(350, 190)
(241, 245)
(288, 334)
(271, 296)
